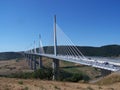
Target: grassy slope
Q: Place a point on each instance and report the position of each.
(33, 84)
(110, 79)
(36, 84)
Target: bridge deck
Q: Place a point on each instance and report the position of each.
(85, 61)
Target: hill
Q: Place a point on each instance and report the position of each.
(106, 51)
(10, 55)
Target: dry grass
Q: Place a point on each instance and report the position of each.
(111, 82)
(15, 84)
(110, 79)
(8, 67)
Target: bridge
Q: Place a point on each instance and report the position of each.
(71, 54)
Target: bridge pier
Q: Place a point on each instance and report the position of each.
(55, 66)
(29, 58)
(40, 62)
(26, 57)
(31, 62)
(34, 60)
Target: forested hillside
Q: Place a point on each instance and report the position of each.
(108, 50)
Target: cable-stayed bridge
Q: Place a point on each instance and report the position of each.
(69, 52)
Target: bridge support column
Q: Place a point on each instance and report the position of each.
(34, 59)
(26, 57)
(29, 58)
(55, 66)
(31, 62)
(40, 62)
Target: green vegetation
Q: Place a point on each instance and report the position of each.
(72, 76)
(24, 75)
(20, 82)
(26, 88)
(47, 74)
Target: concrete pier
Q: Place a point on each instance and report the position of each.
(34, 60)
(55, 61)
(40, 62)
(31, 62)
(55, 66)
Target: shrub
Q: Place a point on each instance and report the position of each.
(26, 88)
(73, 77)
(24, 75)
(43, 74)
(20, 82)
(76, 77)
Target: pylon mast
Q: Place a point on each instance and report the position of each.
(39, 43)
(55, 37)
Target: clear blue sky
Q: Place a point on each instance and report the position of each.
(86, 22)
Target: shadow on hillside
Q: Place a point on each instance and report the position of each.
(72, 66)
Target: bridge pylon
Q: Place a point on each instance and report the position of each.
(55, 63)
(40, 62)
(40, 51)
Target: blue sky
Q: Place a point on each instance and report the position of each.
(86, 22)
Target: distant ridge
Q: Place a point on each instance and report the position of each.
(106, 51)
(10, 55)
